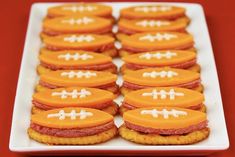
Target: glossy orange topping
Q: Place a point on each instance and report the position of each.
(157, 40)
(80, 9)
(78, 40)
(164, 97)
(73, 58)
(67, 120)
(73, 96)
(81, 78)
(160, 76)
(154, 117)
(152, 12)
(160, 58)
(78, 24)
(145, 25)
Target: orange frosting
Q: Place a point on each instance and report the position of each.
(185, 99)
(133, 12)
(95, 9)
(98, 118)
(58, 58)
(183, 76)
(96, 96)
(177, 56)
(191, 117)
(59, 41)
(160, 25)
(61, 24)
(139, 40)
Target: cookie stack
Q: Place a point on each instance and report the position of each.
(73, 103)
(73, 100)
(163, 100)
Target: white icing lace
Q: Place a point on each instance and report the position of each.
(152, 23)
(74, 94)
(165, 113)
(158, 36)
(161, 74)
(83, 20)
(75, 56)
(147, 9)
(73, 115)
(163, 94)
(80, 38)
(158, 55)
(79, 74)
(80, 8)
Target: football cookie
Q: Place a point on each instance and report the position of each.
(150, 25)
(74, 97)
(88, 42)
(72, 126)
(164, 126)
(78, 78)
(163, 97)
(80, 9)
(153, 12)
(79, 24)
(74, 60)
(144, 42)
(166, 58)
(161, 77)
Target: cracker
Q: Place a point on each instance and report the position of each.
(154, 139)
(85, 140)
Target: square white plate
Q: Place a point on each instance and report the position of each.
(217, 141)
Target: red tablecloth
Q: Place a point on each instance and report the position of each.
(14, 17)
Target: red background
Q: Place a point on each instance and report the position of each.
(14, 18)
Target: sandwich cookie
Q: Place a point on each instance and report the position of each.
(79, 24)
(145, 42)
(74, 97)
(163, 97)
(153, 12)
(150, 25)
(161, 77)
(164, 126)
(74, 60)
(78, 78)
(87, 42)
(72, 126)
(92, 9)
(166, 58)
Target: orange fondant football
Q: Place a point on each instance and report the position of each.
(73, 96)
(152, 12)
(164, 117)
(160, 58)
(156, 41)
(77, 24)
(160, 77)
(80, 9)
(164, 97)
(73, 58)
(151, 25)
(71, 118)
(82, 78)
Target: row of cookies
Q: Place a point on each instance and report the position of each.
(161, 77)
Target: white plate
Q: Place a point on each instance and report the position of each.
(218, 139)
